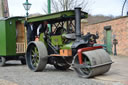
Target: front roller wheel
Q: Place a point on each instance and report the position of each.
(95, 62)
(36, 56)
(82, 72)
(2, 61)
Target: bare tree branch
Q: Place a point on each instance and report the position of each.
(62, 5)
(55, 6)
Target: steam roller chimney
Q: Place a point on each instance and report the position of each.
(78, 22)
(79, 41)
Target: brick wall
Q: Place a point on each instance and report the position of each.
(119, 28)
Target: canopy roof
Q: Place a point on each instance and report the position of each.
(56, 17)
(16, 17)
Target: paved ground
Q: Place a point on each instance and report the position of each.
(17, 74)
(118, 71)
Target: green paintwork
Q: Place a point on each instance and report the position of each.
(109, 41)
(56, 16)
(8, 36)
(67, 46)
(41, 38)
(49, 12)
(49, 6)
(57, 40)
(2, 38)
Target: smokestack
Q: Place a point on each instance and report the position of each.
(78, 22)
(79, 40)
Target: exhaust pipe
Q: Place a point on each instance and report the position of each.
(78, 23)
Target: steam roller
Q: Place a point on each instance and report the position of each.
(64, 47)
(91, 61)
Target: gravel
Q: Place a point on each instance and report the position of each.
(20, 74)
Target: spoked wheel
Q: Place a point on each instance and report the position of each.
(95, 62)
(62, 66)
(36, 56)
(2, 61)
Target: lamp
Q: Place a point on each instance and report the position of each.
(27, 6)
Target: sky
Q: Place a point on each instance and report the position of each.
(103, 7)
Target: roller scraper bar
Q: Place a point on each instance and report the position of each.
(86, 49)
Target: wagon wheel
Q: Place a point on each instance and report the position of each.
(82, 72)
(62, 66)
(23, 61)
(2, 61)
(36, 56)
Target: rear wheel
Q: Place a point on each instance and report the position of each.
(2, 61)
(36, 56)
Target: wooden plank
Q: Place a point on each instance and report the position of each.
(20, 48)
